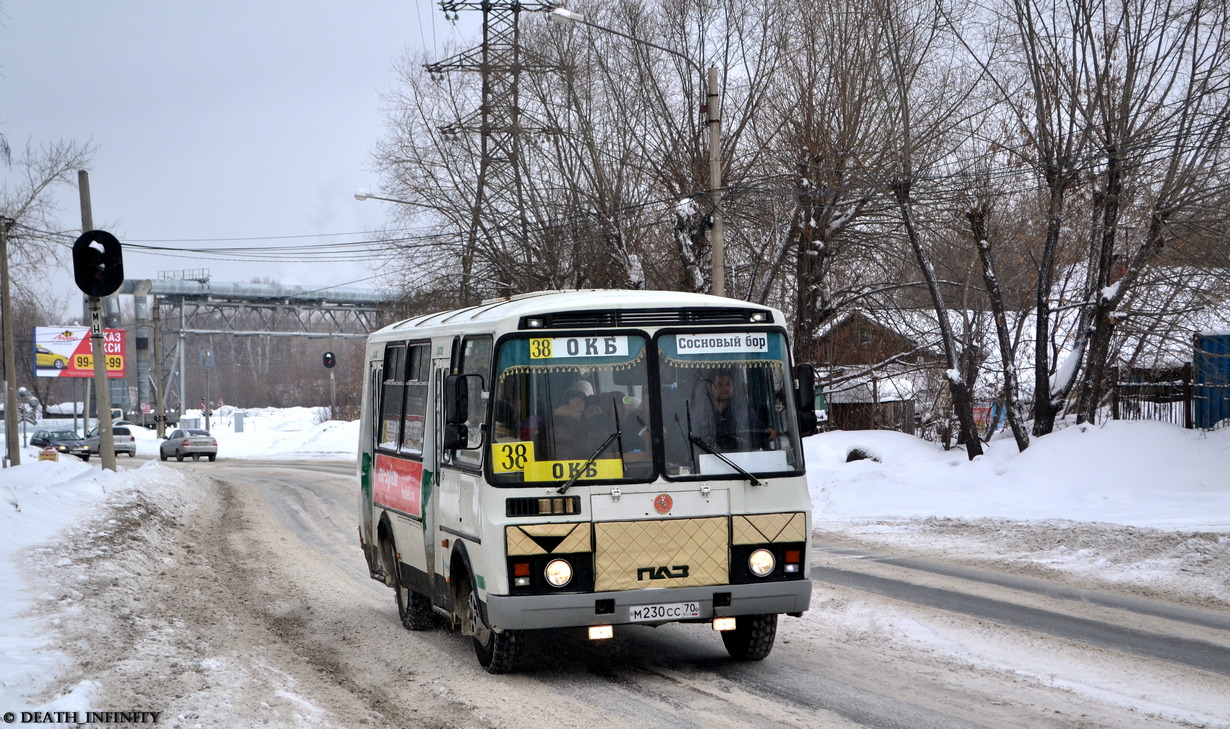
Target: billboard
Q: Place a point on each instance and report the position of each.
(66, 352)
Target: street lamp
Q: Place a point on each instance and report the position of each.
(362, 195)
(563, 15)
(467, 259)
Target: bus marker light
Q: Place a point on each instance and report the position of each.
(521, 569)
(723, 623)
(600, 632)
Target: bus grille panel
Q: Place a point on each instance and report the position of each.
(632, 555)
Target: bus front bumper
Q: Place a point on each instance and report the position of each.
(532, 612)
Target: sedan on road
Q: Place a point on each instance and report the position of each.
(63, 441)
(189, 442)
(125, 442)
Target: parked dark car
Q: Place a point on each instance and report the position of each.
(64, 441)
(125, 441)
(189, 442)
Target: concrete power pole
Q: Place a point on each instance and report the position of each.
(102, 399)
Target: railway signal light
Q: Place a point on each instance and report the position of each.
(330, 360)
(98, 263)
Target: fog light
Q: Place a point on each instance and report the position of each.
(600, 632)
(792, 568)
(761, 562)
(558, 573)
(723, 623)
(522, 582)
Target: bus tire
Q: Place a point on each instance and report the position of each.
(497, 650)
(414, 609)
(752, 638)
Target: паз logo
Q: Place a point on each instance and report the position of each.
(662, 503)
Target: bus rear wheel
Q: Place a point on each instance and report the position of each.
(752, 638)
(413, 609)
(497, 650)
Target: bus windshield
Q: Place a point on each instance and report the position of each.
(558, 401)
(726, 400)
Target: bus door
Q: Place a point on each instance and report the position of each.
(459, 514)
(441, 366)
(375, 377)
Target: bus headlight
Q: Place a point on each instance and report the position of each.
(761, 562)
(558, 573)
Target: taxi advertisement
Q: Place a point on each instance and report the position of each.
(66, 352)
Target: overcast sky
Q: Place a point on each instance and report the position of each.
(216, 120)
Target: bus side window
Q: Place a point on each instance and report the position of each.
(415, 412)
(475, 360)
(391, 394)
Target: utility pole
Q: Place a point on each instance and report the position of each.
(715, 185)
(98, 349)
(160, 413)
(13, 452)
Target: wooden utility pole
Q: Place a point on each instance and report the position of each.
(13, 453)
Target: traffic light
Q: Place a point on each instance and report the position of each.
(330, 360)
(98, 263)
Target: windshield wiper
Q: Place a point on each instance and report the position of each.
(563, 489)
(724, 459)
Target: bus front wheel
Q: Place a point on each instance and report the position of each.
(752, 638)
(496, 649)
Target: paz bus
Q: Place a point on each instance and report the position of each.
(588, 459)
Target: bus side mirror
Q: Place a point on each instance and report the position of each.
(461, 418)
(805, 399)
(456, 399)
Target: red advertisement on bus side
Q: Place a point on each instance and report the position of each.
(399, 484)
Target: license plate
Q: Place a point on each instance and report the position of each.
(664, 611)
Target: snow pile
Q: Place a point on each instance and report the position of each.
(1138, 504)
(44, 507)
(1134, 473)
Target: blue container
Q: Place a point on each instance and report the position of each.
(1211, 393)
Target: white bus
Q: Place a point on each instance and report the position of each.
(588, 459)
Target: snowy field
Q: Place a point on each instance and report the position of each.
(1141, 505)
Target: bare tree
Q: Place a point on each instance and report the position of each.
(34, 243)
(1160, 127)
(929, 100)
(834, 135)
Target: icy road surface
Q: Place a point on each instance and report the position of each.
(239, 597)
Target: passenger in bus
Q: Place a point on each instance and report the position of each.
(727, 422)
(568, 436)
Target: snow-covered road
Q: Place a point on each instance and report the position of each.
(234, 594)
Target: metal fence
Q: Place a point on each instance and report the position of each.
(1189, 396)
